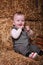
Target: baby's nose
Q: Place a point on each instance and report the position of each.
(20, 21)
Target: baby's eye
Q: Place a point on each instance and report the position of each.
(22, 20)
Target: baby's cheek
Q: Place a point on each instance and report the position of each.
(23, 23)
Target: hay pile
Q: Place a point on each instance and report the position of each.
(7, 55)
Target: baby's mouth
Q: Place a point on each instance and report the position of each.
(20, 24)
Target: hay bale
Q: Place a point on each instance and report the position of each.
(5, 39)
(12, 58)
(7, 55)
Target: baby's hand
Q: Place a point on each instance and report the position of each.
(27, 28)
(30, 32)
(22, 27)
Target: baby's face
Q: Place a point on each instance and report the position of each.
(19, 20)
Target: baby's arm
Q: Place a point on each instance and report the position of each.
(16, 33)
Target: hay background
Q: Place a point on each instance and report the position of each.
(34, 18)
